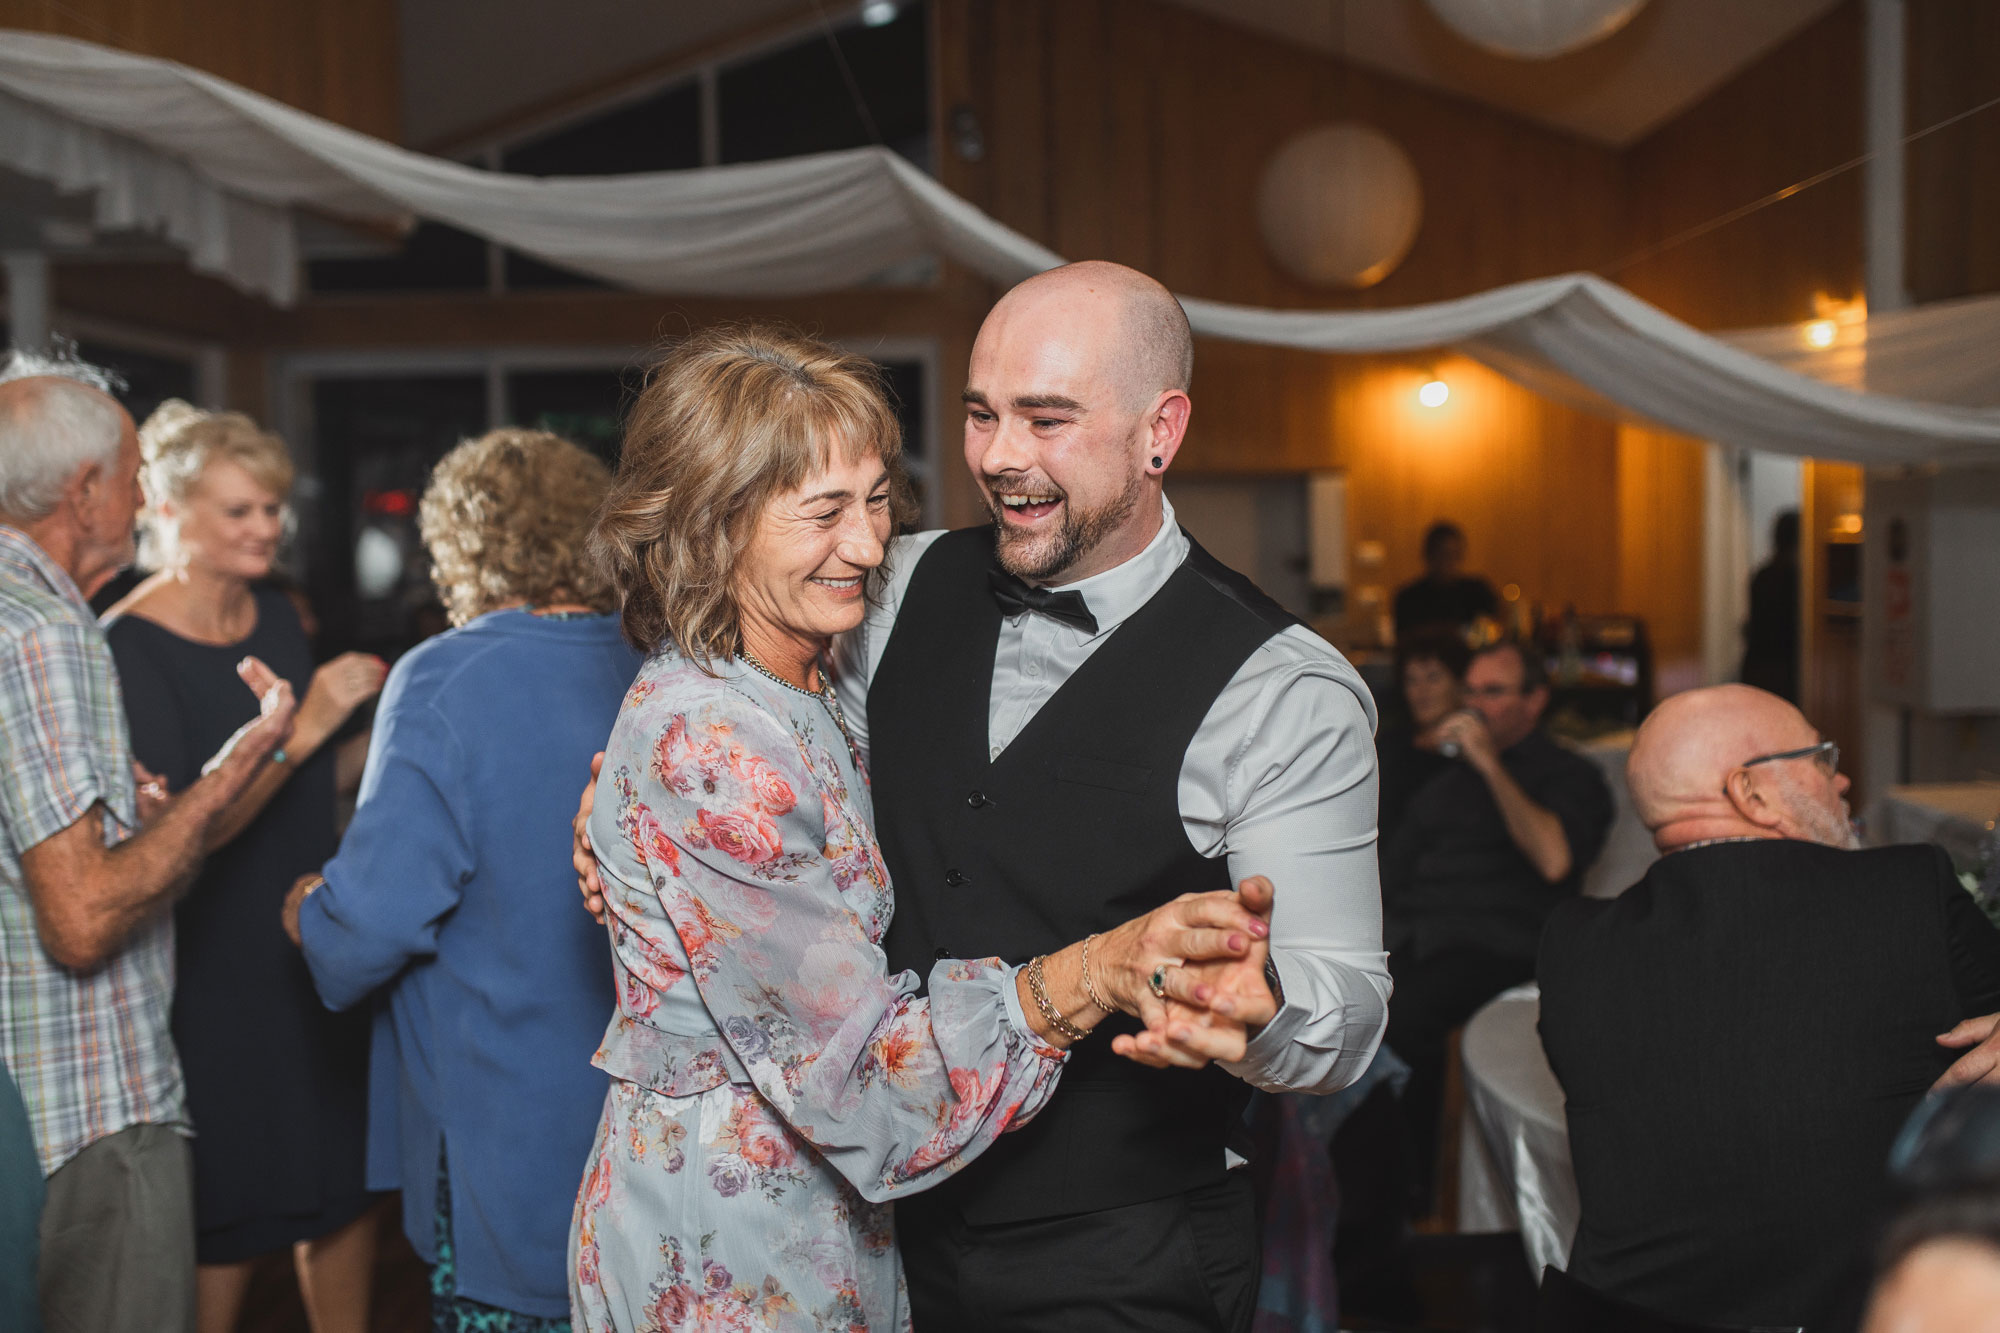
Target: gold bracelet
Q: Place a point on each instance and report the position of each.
(1038, 989)
(1090, 988)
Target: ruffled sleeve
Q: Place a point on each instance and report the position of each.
(743, 825)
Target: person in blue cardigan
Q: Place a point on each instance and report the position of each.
(450, 894)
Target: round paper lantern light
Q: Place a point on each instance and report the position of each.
(1535, 29)
(1339, 206)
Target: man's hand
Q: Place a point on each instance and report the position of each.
(295, 899)
(153, 794)
(1468, 731)
(581, 855)
(1981, 1064)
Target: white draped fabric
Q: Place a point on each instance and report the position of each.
(218, 169)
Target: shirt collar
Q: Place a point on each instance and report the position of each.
(1121, 590)
(22, 556)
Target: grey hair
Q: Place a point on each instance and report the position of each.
(70, 422)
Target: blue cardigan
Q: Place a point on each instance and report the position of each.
(452, 894)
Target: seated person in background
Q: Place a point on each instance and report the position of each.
(448, 902)
(1445, 595)
(1430, 670)
(1938, 1266)
(1482, 854)
(1742, 1032)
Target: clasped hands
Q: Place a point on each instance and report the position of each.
(1208, 951)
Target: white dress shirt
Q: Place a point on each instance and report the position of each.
(1280, 778)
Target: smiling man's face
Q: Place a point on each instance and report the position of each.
(1062, 423)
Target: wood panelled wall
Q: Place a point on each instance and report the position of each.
(334, 58)
(1135, 130)
(1954, 175)
(1788, 116)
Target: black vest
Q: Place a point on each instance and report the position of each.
(1075, 828)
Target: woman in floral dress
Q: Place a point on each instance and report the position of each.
(772, 1085)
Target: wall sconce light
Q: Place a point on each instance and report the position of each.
(1434, 393)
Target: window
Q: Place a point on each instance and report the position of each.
(432, 258)
(587, 406)
(797, 100)
(782, 101)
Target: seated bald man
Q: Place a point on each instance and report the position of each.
(1742, 1032)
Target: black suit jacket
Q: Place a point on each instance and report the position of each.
(1739, 1037)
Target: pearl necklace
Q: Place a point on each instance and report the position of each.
(824, 694)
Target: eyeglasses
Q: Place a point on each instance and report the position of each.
(1826, 754)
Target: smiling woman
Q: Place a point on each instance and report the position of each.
(731, 419)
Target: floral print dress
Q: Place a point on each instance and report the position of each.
(773, 1086)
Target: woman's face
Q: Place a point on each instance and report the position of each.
(230, 523)
(802, 576)
(1430, 690)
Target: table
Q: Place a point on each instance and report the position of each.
(1514, 1164)
(1957, 816)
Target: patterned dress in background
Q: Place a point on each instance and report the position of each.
(773, 1086)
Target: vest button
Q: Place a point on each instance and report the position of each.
(956, 879)
(976, 800)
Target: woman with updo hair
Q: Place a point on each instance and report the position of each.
(447, 909)
(276, 1085)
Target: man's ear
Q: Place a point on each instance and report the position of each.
(86, 486)
(1741, 788)
(1166, 428)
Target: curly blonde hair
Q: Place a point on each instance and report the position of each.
(178, 443)
(730, 417)
(506, 519)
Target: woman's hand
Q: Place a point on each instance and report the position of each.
(301, 886)
(337, 689)
(1195, 927)
(1213, 1005)
(582, 857)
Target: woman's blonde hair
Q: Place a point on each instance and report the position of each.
(178, 443)
(730, 417)
(506, 518)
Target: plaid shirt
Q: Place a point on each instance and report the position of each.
(90, 1050)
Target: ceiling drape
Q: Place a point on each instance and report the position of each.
(221, 172)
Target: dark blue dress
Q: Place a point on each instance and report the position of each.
(277, 1085)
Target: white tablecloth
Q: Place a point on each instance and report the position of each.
(1514, 1166)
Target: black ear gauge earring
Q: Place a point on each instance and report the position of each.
(1157, 462)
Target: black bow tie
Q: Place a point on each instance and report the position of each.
(1015, 597)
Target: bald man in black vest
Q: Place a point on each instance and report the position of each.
(1074, 714)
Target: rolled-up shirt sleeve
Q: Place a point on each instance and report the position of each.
(403, 863)
(1281, 778)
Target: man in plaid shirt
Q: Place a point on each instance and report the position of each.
(93, 853)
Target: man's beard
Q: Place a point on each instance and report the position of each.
(1041, 560)
(1822, 823)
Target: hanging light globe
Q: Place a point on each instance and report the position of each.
(1339, 206)
(1535, 29)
